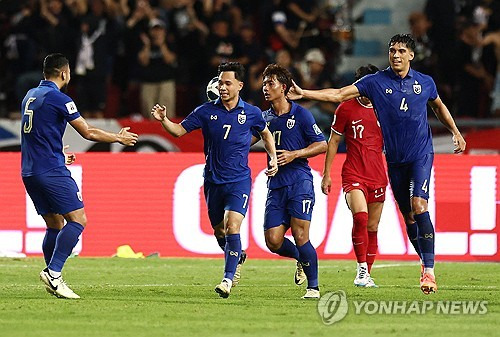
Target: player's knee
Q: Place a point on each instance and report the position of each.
(372, 227)
(273, 242)
(232, 228)
(300, 236)
(419, 205)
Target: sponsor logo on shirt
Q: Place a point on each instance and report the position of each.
(213, 117)
(355, 184)
(388, 91)
(356, 122)
(417, 88)
(71, 107)
(316, 129)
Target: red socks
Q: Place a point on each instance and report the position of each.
(371, 252)
(360, 236)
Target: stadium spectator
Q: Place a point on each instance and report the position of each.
(158, 63)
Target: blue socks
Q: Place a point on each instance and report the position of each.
(49, 243)
(288, 249)
(425, 238)
(232, 254)
(412, 232)
(65, 242)
(309, 260)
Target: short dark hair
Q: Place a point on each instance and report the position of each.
(53, 64)
(406, 39)
(239, 70)
(282, 75)
(365, 70)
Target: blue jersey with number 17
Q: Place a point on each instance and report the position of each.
(46, 111)
(292, 131)
(401, 107)
(227, 136)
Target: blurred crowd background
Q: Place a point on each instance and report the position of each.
(127, 55)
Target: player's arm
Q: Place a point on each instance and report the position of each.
(443, 114)
(268, 140)
(92, 133)
(254, 140)
(325, 95)
(333, 146)
(285, 156)
(160, 114)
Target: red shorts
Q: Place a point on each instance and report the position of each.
(373, 193)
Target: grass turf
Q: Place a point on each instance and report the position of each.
(175, 297)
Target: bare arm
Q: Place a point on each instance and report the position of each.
(97, 135)
(145, 52)
(285, 156)
(268, 140)
(160, 114)
(443, 114)
(325, 95)
(333, 146)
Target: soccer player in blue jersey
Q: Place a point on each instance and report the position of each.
(290, 199)
(46, 111)
(227, 124)
(400, 96)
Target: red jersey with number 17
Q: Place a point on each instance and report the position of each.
(363, 138)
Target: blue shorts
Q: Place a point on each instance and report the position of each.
(411, 180)
(226, 197)
(295, 200)
(54, 191)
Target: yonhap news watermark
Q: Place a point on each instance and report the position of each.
(334, 306)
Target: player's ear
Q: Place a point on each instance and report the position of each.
(412, 55)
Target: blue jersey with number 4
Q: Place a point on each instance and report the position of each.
(401, 107)
(227, 136)
(292, 131)
(46, 111)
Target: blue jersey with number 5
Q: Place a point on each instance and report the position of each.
(227, 136)
(46, 111)
(401, 107)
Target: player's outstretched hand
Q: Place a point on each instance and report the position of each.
(459, 143)
(295, 92)
(159, 112)
(272, 168)
(285, 157)
(127, 138)
(326, 184)
(69, 158)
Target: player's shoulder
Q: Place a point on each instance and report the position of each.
(251, 109)
(58, 97)
(206, 107)
(422, 77)
(300, 112)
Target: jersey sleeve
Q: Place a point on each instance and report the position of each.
(433, 94)
(65, 106)
(365, 85)
(311, 130)
(192, 121)
(339, 120)
(259, 125)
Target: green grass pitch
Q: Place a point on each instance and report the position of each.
(175, 297)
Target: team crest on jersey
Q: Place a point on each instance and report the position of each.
(290, 122)
(417, 88)
(242, 118)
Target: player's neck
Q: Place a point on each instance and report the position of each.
(402, 73)
(231, 104)
(281, 106)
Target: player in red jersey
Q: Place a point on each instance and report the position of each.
(363, 175)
